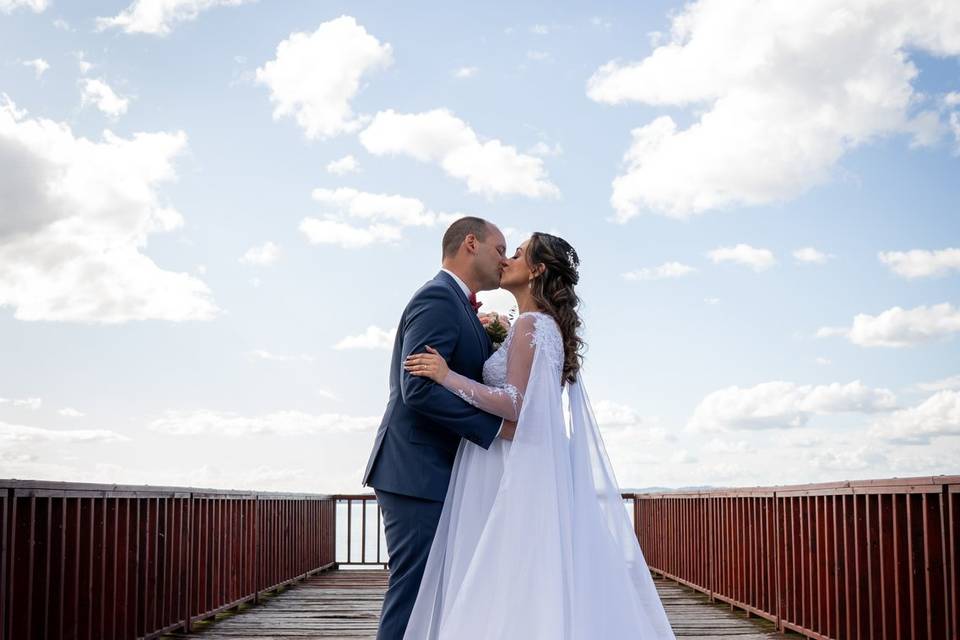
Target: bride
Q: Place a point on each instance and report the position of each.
(534, 541)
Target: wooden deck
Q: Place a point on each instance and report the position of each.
(346, 604)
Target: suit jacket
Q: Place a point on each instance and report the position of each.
(420, 432)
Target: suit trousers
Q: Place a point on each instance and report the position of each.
(409, 525)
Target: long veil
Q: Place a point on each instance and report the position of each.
(534, 541)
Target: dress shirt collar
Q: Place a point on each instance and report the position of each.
(466, 289)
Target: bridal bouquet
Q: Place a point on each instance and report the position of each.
(497, 332)
(496, 329)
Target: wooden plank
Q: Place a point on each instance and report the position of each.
(346, 604)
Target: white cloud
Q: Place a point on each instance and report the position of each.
(278, 423)
(70, 412)
(384, 214)
(342, 166)
(774, 113)
(29, 403)
(725, 445)
(372, 338)
(37, 6)
(544, 150)
(711, 300)
(682, 456)
(822, 361)
(779, 405)
(85, 66)
(862, 457)
(926, 129)
(938, 415)
(757, 259)
(806, 439)
(17, 433)
(347, 236)
(77, 214)
(315, 76)
(514, 237)
(540, 29)
(233, 474)
(62, 24)
(157, 17)
(666, 270)
(637, 444)
(401, 210)
(952, 382)
(612, 414)
(263, 255)
(601, 23)
(325, 393)
(99, 93)
(811, 255)
(949, 103)
(39, 65)
(539, 56)
(925, 462)
(263, 354)
(465, 72)
(623, 425)
(955, 129)
(898, 327)
(490, 168)
(920, 263)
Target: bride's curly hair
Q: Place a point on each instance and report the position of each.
(554, 292)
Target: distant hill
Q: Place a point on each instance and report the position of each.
(705, 487)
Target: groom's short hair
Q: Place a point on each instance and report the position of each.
(459, 230)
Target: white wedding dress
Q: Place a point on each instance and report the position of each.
(534, 542)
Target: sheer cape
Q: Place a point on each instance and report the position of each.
(534, 541)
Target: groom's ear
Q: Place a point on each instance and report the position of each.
(470, 242)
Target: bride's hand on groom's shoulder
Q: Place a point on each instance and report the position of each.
(428, 365)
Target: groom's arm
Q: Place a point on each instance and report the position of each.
(430, 320)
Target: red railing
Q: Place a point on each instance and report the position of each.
(104, 562)
(866, 560)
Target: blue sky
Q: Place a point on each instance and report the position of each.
(213, 213)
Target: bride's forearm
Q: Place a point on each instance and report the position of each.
(504, 402)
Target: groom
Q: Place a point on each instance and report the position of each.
(417, 441)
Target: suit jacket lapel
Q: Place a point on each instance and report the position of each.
(485, 345)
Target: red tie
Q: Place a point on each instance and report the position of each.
(473, 302)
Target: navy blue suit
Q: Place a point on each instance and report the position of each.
(417, 440)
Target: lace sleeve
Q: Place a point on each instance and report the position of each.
(505, 401)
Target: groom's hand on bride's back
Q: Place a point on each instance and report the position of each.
(508, 430)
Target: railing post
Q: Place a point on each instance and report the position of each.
(7, 497)
(256, 549)
(776, 562)
(188, 592)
